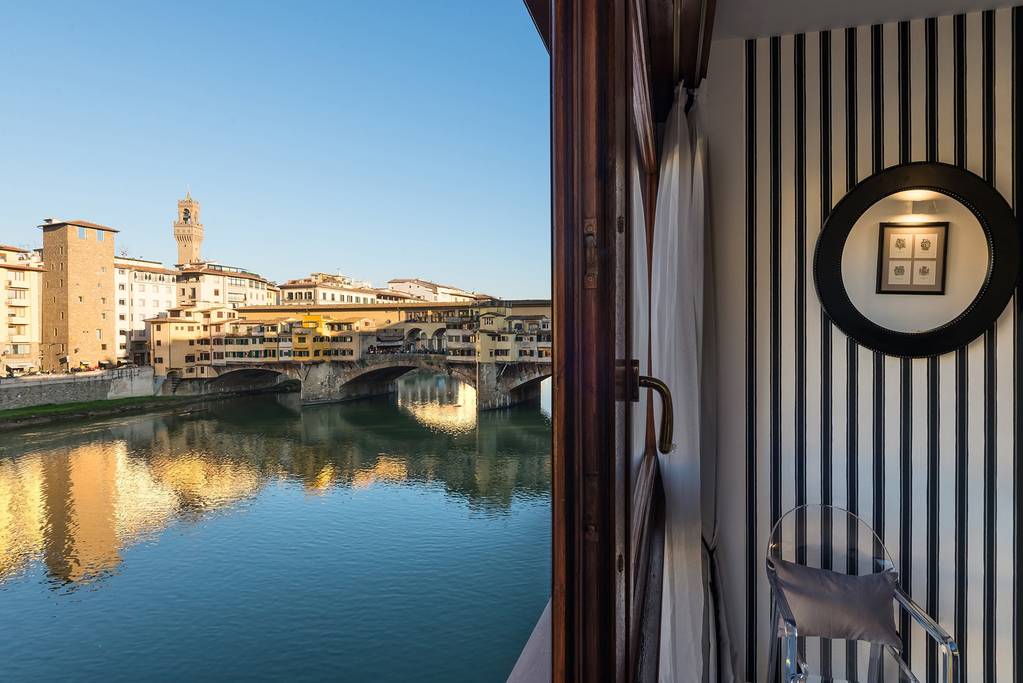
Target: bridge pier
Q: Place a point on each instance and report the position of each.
(508, 384)
(327, 383)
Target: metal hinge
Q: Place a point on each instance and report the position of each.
(590, 255)
(626, 380)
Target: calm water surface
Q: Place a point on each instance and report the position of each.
(395, 539)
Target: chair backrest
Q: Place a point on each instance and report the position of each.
(828, 537)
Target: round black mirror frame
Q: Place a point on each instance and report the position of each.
(1000, 229)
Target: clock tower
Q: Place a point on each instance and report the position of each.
(188, 231)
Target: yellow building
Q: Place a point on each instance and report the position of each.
(180, 343)
(196, 342)
(319, 337)
(21, 275)
(78, 312)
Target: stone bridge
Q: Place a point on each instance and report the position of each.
(497, 385)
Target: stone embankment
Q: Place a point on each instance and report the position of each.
(82, 387)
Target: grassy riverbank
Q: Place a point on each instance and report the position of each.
(52, 412)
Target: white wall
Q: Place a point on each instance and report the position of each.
(925, 449)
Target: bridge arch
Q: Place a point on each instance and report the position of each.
(497, 385)
(414, 338)
(438, 342)
(527, 387)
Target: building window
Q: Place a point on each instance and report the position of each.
(82, 233)
(100, 238)
(99, 334)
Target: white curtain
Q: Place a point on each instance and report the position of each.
(640, 323)
(681, 358)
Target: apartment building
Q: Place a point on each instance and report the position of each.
(424, 290)
(21, 275)
(145, 289)
(206, 285)
(181, 339)
(394, 296)
(195, 342)
(78, 311)
(325, 289)
(203, 342)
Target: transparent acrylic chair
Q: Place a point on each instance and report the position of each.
(799, 537)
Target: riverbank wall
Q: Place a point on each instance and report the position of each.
(99, 385)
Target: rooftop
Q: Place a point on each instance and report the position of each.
(79, 223)
(428, 284)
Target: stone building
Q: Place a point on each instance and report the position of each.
(21, 275)
(188, 231)
(79, 327)
(205, 284)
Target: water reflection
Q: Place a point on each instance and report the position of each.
(438, 402)
(74, 498)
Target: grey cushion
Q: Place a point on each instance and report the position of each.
(832, 605)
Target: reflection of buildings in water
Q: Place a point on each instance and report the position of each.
(438, 402)
(80, 496)
(385, 469)
(22, 517)
(76, 505)
(77, 508)
(203, 483)
(324, 479)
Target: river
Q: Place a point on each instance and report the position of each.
(402, 538)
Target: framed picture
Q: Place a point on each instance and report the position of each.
(911, 258)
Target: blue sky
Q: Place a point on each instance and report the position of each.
(395, 139)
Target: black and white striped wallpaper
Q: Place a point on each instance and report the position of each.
(927, 451)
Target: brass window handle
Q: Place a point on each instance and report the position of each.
(665, 442)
